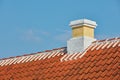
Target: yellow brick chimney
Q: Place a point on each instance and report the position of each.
(82, 35)
(83, 27)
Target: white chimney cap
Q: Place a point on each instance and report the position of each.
(82, 22)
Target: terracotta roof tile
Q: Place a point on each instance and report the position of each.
(101, 61)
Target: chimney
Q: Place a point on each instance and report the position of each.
(82, 35)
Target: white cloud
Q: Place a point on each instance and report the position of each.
(63, 37)
(45, 33)
(31, 35)
(39, 36)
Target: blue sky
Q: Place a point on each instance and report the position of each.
(28, 26)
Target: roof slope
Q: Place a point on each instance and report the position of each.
(101, 61)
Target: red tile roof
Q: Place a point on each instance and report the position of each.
(100, 61)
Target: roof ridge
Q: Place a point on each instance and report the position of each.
(33, 53)
(34, 56)
(96, 45)
(108, 39)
